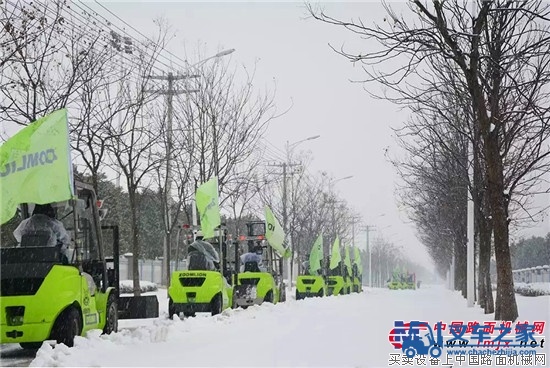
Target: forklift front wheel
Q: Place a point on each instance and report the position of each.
(111, 323)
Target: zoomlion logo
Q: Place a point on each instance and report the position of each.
(29, 161)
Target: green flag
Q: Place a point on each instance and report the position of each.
(316, 255)
(275, 234)
(209, 207)
(347, 259)
(335, 256)
(35, 165)
(357, 260)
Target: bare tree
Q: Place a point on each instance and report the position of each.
(46, 59)
(224, 121)
(501, 56)
(134, 145)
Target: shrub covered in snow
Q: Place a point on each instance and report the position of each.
(533, 289)
(127, 286)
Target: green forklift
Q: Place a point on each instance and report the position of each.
(206, 285)
(357, 272)
(348, 272)
(258, 283)
(311, 281)
(49, 294)
(336, 283)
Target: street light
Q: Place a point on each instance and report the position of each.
(333, 201)
(292, 145)
(218, 55)
(289, 148)
(369, 228)
(332, 182)
(170, 92)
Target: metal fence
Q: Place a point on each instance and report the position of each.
(150, 270)
(533, 274)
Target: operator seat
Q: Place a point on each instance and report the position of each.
(251, 267)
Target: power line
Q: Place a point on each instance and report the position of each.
(144, 36)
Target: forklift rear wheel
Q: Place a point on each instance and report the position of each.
(111, 324)
(67, 326)
(171, 309)
(216, 304)
(189, 314)
(269, 297)
(30, 345)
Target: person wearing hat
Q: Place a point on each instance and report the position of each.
(254, 256)
(43, 221)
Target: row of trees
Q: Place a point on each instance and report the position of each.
(474, 76)
(60, 55)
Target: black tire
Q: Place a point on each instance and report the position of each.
(216, 304)
(30, 345)
(67, 326)
(171, 309)
(111, 322)
(298, 296)
(189, 314)
(269, 297)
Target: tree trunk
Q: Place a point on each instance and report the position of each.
(506, 308)
(135, 243)
(460, 267)
(485, 287)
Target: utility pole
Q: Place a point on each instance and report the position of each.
(123, 45)
(367, 229)
(170, 93)
(286, 165)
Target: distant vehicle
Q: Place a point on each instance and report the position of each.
(402, 280)
(336, 284)
(206, 285)
(357, 280)
(308, 285)
(255, 286)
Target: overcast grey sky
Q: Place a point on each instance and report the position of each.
(293, 51)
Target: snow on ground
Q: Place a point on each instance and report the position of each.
(343, 331)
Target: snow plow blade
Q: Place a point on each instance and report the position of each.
(138, 307)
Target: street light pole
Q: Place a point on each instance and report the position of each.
(288, 163)
(170, 92)
(333, 202)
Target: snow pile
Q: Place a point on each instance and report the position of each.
(127, 286)
(343, 331)
(532, 289)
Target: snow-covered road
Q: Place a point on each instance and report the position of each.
(344, 331)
